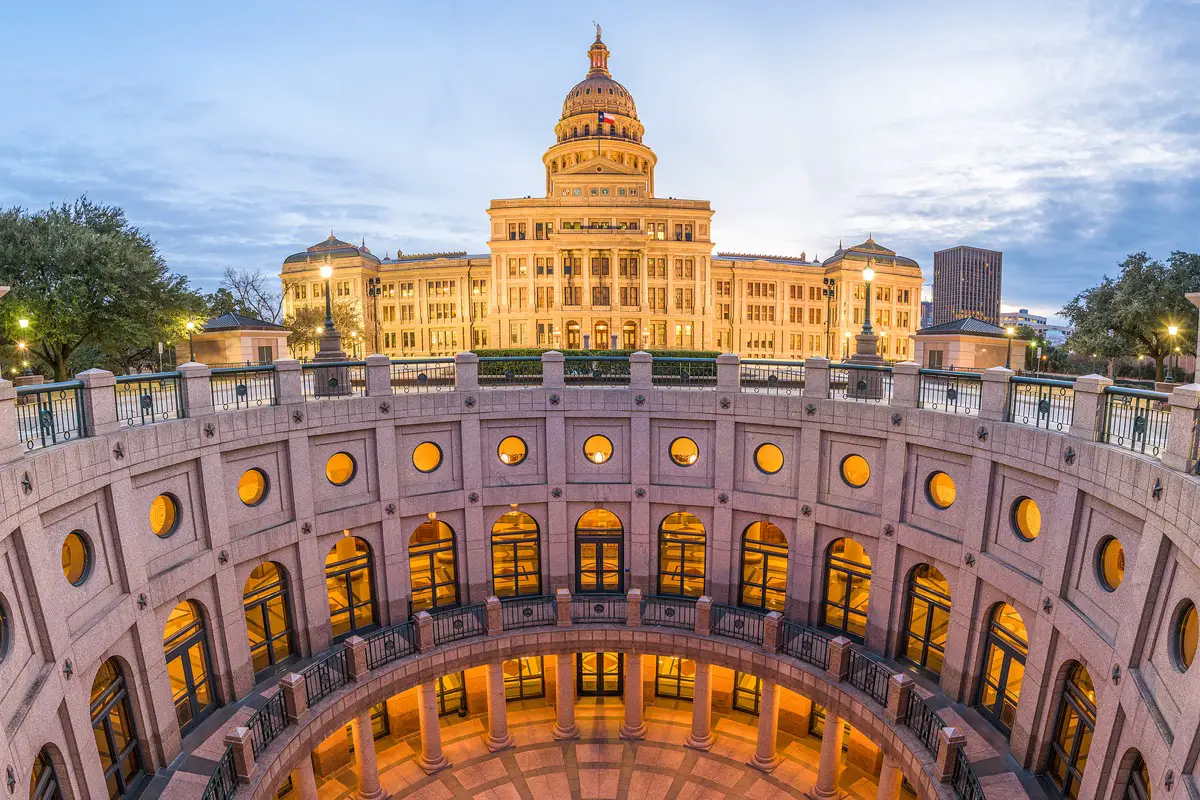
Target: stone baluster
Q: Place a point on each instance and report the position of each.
(816, 377)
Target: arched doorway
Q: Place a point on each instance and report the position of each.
(516, 556)
(115, 732)
(350, 584)
(268, 616)
(599, 553)
(433, 567)
(185, 646)
(43, 783)
(1072, 733)
(1003, 667)
(600, 335)
(927, 620)
(847, 589)
(1138, 786)
(764, 567)
(574, 341)
(629, 336)
(681, 562)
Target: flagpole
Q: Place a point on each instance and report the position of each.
(599, 128)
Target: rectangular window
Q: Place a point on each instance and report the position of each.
(674, 677)
(572, 295)
(600, 296)
(389, 313)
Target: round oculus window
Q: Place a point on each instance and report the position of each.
(164, 515)
(855, 471)
(940, 490)
(1026, 518)
(684, 451)
(340, 468)
(252, 487)
(512, 450)
(768, 458)
(76, 558)
(598, 449)
(427, 456)
(1110, 563)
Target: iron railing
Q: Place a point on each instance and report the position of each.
(243, 387)
(326, 675)
(1041, 402)
(670, 372)
(224, 783)
(422, 375)
(391, 644)
(923, 721)
(669, 612)
(612, 609)
(804, 643)
(456, 624)
(869, 675)
(267, 723)
(763, 376)
(329, 379)
(528, 612)
(502, 371)
(1135, 419)
(596, 370)
(963, 779)
(145, 399)
(861, 383)
(954, 392)
(50, 413)
(738, 623)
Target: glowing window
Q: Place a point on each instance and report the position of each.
(940, 490)
(768, 458)
(340, 469)
(433, 567)
(764, 567)
(598, 449)
(164, 515)
(1110, 563)
(847, 589)
(1186, 627)
(856, 471)
(516, 556)
(427, 457)
(684, 451)
(351, 587)
(512, 450)
(76, 558)
(252, 487)
(1026, 519)
(681, 541)
(928, 619)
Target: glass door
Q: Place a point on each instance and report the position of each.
(599, 674)
(601, 564)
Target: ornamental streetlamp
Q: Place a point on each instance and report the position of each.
(828, 291)
(1173, 332)
(327, 273)
(191, 329)
(1010, 332)
(374, 289)
(868, 276)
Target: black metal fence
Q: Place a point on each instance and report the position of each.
(145, 399)
(923, 721)
(596, 370)
(761, 376)
(963, 780)
(50, 413)
(955, 392)
(861, 383)
(737, 623)
(267, 722)
(243, 387)
(669, 612)
(684, 373)
(223, 783)
(610, 609)
(804, 643)
(459, 623)
(330, 379)
(870, 676)
(1041, 402)
(528, 612)
(422, 375)
(391, 644)
(505, 371)
(326, 675)
(1135, 419)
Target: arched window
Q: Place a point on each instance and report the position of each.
(1138, 786)
(612, 130)
(350, 584)
(575, 132)
(587, 130)
(599, 553)
(624, 132)
(432, 567)
(268, 616)
(43, 783)
(600, 335)
(188, 666)
(847, 589)
(115, 732)
(681, 541)
(1072, 733)
(516, 556)
(928, 619)
(764, 568)
(1003, 667)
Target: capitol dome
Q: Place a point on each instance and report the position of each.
(598, 91)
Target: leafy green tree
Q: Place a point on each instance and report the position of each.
(90, 283)
(305, 322)
(1129, 315)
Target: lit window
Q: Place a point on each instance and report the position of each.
(185, 647)
(1003, 667)
(164, 515)
(1073, 733)
(516, 556)
(76, 558)
(598, 449)
(524, 678)
(1026, 518)
(674, 677)
(340, 469)
(939, 488)
(684, 451)
(350, 586)
(681, 540)
(433, 567)
(768, 458)
(599, 552)
(928, 619)
(856, 471)
(252, 487)
(1186, 627)
(1110, 563)
(115, 731)
(764, 567)
(847, 589)
(268, 618)
(427, 456)
(512, 450)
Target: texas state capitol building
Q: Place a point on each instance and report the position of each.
(602, 261)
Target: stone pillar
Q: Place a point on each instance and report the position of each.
(466, 372)
(564, 697)
(364, 754)
(906, 384)
(99, 402)
(899, 693)
(11, 447)
(701, 737)
(432, 759)
(495, 623)
(703, 616)
(424, 624)
(553, 363)
(641, 369)
(497, 708)
(765, 757)
(304, 780)
(295, 696)
(839, 660)
(890, 778)
(1089, 406)
(634, 727)
(771, 625)
(562, 607)
(197, 392)
(633, 608)
(831, 758)
(993, 405)
(379, 376)
(816, 377)
(949, 742)
(729, 377)
(356, 658)
(289, 385)
(1180, 451)
(243, 752)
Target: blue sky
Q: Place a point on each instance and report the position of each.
(1065, 134)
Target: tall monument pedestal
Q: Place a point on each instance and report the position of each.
(866, 384)
(331, 381)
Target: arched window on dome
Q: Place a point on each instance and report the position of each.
(185, 647)
(1138, 785)
(612, 130)
(575, 132)
(624, 133)
(433, 567)
(847, 589)
(764, 567)
(587, 130)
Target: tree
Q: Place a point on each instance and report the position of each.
(248, 293)
(305, 322)
(89, 282)
(1130, 315)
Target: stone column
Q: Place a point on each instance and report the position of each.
(634, 727)
(906, 384)
(379, 375)
(364, 754)
(197, 392)
(553, 363)
(816, 377)
(890, 778)
(99, 402)
(765, 757)
(993, 403)
(728, 372)
(701, 737)
(1089, 406)
(432, 758)
(1180, 450)
(304, 780)
(466, 370)
(497, 708)
(641, 368)
(831, 758)
(564, 697)
(11, 447)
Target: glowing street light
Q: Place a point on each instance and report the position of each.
(1010, 332)
(191, 329)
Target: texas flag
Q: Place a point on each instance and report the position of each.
(609, 118)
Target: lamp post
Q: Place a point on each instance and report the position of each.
(374, 289)
(191, 329)
(1010, 332)
(326, 274)
(868, 276)
(1173, 332)
(828, 290)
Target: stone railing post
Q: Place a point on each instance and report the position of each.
(553, 363)
(356, 658)
(562, 603)
(771, 624)
(295, 696)
(898, 694)
(243, 752)
(993, 404)
(11, 447)
(99, 402)
(1180, 451)
(703, 615)
(906, 384)
(289, 385)
(466, 372)
(729, 372)
(633, 611)
(641, 370)
(839, 659)
(379, 376)
(197, 389)
(1089, 406)
(424, 631)
(495, 625)
(949, 740)
(816, 377)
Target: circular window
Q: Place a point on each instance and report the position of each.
(340, 468)
(76, 558)
(1187, 625)
(164, 515)
(598, 449)
(252, 486)
(1026, 518)
(856, 471)
(427, 457)
(512, 450)
(1110, 563)
(768, 458)
(684, 451)
(939, 488)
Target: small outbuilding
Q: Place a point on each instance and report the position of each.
(968, 343)
(235, 340)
